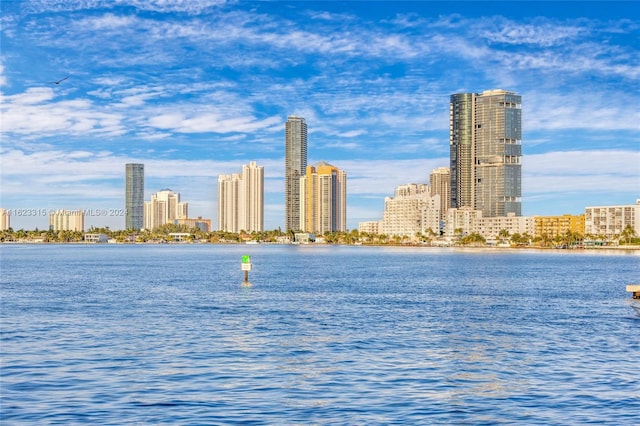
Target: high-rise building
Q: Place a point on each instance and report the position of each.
(134, 196)
(461, 149)
(486, 152)
(241, 200)
(323, 199)
(164, 207)
(440, 186)
(228, 196)
(295, 168)
(66, 220)
(5, 220)
(252, 202)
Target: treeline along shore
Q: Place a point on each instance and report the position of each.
(627, 239)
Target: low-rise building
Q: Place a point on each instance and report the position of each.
(410, 211)
(180, 236)
(202, 224)
(96, 238)
(611, 221)
(492, 228)
(304, 237)
(552, 226)
(370, 227)
(461, 221)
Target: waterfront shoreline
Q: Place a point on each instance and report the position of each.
(623, 248)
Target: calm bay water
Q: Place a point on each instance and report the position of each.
(104, 334)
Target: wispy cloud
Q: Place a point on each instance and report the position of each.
(541, 32)
(583, 171)
(210, 123)
(184, 6)
(37, 113)
(580, 109)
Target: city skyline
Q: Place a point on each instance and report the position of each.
(195, 90)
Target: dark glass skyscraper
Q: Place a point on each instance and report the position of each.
(295, 168)
(461, 149)
(486, 152)
(134, 196)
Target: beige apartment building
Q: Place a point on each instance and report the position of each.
(165, 207)
(492, 227)
(461, 221)
(410, 211)
(370, 227)
(440, 185)
(5, 220)
(610, 221)
(66, 220)
(241, 200)
(202, 224)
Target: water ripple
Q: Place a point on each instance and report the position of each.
(166, 335)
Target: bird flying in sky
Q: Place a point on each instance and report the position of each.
(59, 81)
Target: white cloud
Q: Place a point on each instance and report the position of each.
(36, 113)
(590, 110)
(185, 6)
(585, 171)
(353, 133)
(210, 123)
(32, 96)
(542, 33)
(109, 21)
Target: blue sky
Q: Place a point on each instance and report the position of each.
(195, 89)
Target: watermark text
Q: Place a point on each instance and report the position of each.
(27, 212)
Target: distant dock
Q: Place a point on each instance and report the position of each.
(634, 289)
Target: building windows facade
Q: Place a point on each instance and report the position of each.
(295, 168)
(486, 152)
(134, 196)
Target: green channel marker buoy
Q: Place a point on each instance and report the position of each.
(246, 267)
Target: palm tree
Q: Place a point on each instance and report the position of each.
(503, 235)
(473, 238)
(628, 233)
